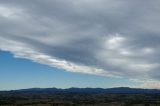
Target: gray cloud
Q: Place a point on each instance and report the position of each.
(101, 37)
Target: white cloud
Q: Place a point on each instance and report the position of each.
(20, 50)
(105, 37)
(115, 42)
(6, 12)
(149, 85)
(10, 12)
(148, 50)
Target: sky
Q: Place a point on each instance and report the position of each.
(79, 43)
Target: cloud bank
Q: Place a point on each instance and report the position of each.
(102, 37)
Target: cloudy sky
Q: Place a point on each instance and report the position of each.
(100, 40)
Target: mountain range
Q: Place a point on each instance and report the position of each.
(91, 90)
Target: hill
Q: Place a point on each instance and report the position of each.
(92, 90)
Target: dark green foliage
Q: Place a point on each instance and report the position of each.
(42, 98)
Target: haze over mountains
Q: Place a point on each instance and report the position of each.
(90, 90)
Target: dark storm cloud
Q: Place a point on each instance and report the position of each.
(104, 37)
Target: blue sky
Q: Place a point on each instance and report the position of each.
(95, 43)
(18, 73)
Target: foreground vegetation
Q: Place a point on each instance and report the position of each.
(42, 98)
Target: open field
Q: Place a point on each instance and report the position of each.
(77, 99)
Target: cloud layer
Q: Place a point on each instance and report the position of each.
(102, 37)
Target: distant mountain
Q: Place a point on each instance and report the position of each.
(92, 90)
